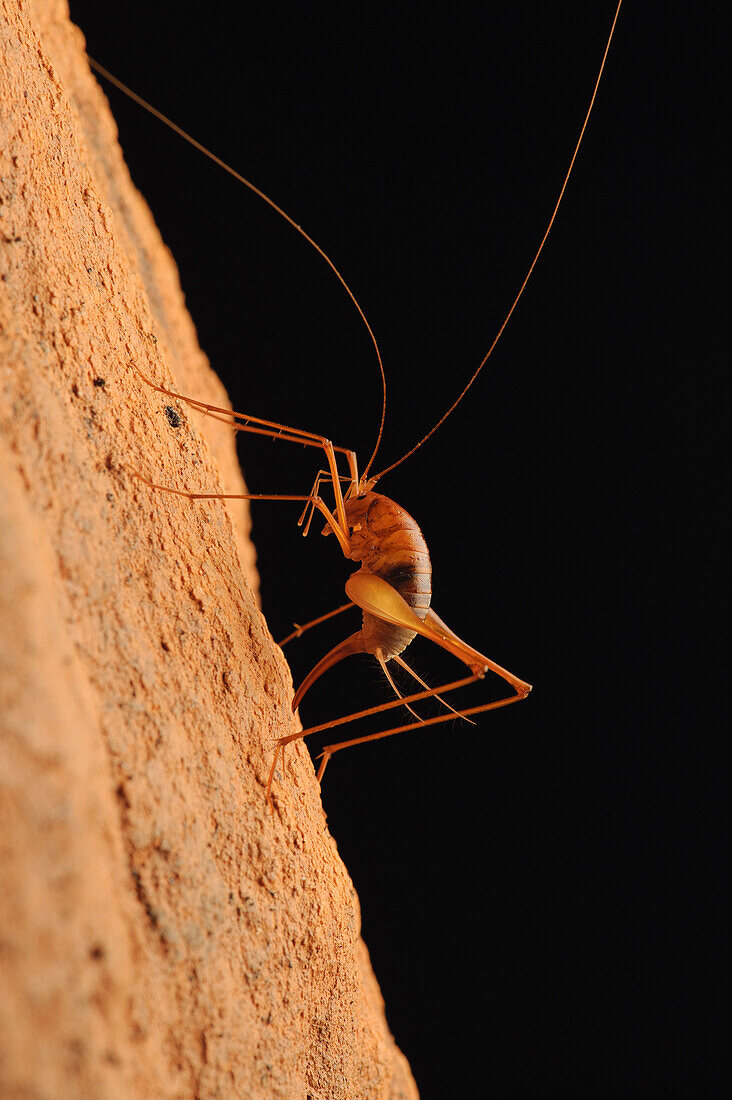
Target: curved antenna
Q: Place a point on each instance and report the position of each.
(488, 354)
(265, 198)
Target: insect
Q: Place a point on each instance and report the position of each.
(392, 587)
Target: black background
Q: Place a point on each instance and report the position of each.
(524, 884)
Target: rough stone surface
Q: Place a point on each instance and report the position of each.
(161, 933)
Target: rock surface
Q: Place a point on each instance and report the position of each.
(161, 933)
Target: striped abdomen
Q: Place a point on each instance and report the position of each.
(388, 543)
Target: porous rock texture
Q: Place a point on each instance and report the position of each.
(162, 934)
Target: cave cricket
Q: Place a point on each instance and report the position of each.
(392, 587)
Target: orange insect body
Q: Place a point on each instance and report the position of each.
(393, 587)
(391, 547)
(388, 543)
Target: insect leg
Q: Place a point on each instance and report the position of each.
(270, 777)
(453, 686)
(256, 425)
(315, 501)
(322, 475)
(330, 750)
(378, 597)
(300, 629)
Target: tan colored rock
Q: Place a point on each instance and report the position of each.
(161, 933)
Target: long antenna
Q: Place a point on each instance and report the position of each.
(488, 354)
(265, 198)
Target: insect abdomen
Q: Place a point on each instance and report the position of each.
(388, 543)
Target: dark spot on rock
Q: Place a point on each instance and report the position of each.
(121, 795)
(146, 902)
(173, 417)
(100, 382)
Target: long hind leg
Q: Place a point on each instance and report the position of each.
(378, 709)
(330, 750)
